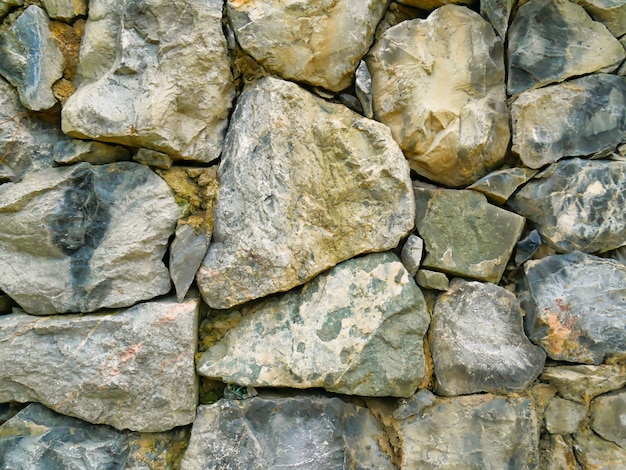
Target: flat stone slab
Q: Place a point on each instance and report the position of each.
(488, 233)
(155, 75)
(608, 417)
(131, 369)
(304, 432)
(576, 118)
(575, 307)
(550, 41)
(577, 205)
(304, 185)
(478, 342)
(499, 185)
(357, 329)
(582, 383)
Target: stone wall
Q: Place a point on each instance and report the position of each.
(326, 234)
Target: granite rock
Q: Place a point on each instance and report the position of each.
(301, 432)
(552, 40)
(499, 185)
(357, 329)
(611, 13)
(489, 233)
(432, 280)
(80, 238)
(304, 185)
(497, 12)
(608, 417)
(32, 60)
(564, 416)
(577, 205)
(131, 369)
(411, 254)
(575, 307)
(155, 75)
(576, 118)
(318, 43)
(442, 94)
(76, 151)
(65, 10)
(478, 342)
(582, 383)
(595, 453)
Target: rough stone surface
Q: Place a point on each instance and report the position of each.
(168, 87)
(363, 89)
(65, 10)
(552, 40)
(499, 185)
(96, 153)
(563, 416)
(497, 12)
(611, 13)
(37, 438)
(302, 432)
(7, 5)
(131, 369)
(577, 205)
(84, 237)
(584, 382)
(595, 453)
(576, 307)
(526, 248)
(411, 254)
(318, 43)
(432, 4)
(304, 185)
(153, 158)
(480, 431)
(357, 329)
(489, 233)
(559, 455)
(439, 85)
(576, 118)
(478, 342)
(432, 280)
(31, 59)
(186, 254)
(608, 417)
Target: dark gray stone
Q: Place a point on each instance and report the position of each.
(551, 40)
(80, 238)
(363, 88)
(478, 342)
(576, 118)
(432, 280)
(186, 254)
(577, 205)
(576, 307)
(153, 158)
(302, 432)
(526, 248)
(497, 12)
(411, 254)
(31, 59)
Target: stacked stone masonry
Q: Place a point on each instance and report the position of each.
(329, 234)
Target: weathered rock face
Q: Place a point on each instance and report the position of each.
(596, 453)
(7, 5)
(611, 13)
(489, 233)
(153, 74)
(318, 43)
(497, 12)
(559, 455)
(499, 185)
(252, 434)
(577, 205)
(480, 431)
(131, 369)
(65, 10)
(575, 307)
(563, 416)
(357, 329)
(583, 382)
(76, 239)
(608, 417)
(576, 118)
(551, 40)
(442, 94)
(478, 342)
(96, 153)
(304, 185)
(412, 252)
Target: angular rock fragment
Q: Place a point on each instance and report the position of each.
(575, 307)
(31, 59)
(443, 94)
(526, 248)
(168, 87)
(304, 185)
(318, 43)
(296, 432)
(499, 185)
(411, 254)
(96, 153)
(551, 40)
(186, 254)
(131, 369)
(153, 158)
(559, 455)
(479, 431)
(65, 10)
(583, 383)
(432, 280)
(357, 329)
(478, 342)
(611, 13)
(563, 416)
(464, 235)
(363, 88)
(576, 118)
(497, 12)
(577, 205)
(80, 238)
(594, 452)
(608, 417)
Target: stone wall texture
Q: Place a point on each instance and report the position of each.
(325, 234)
